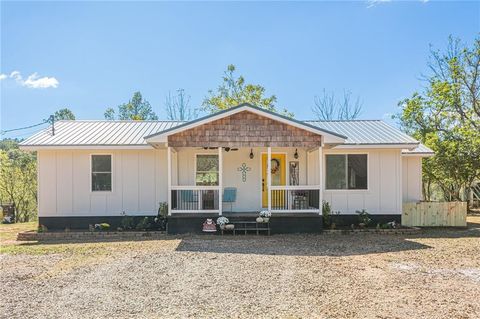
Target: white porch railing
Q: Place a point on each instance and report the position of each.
(296, 199)
(195, 199)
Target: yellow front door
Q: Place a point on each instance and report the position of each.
(279, 172)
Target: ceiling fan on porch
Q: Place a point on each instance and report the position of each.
(227, 149)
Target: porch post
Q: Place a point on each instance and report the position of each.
(269, 177)
(320, 177)
(220, 181)
(169, 179)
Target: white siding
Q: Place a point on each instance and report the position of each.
(384, 185)
(412, 178)
(138, 183)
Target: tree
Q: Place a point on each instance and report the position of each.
(64, 114)
(18, 182)
(446, 117)
(234, 91)
(178, 107)
(328, 107)
(136, 109)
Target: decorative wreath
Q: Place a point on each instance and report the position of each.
(275, 165)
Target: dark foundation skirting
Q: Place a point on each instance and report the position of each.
(82, 222)
(279, 223)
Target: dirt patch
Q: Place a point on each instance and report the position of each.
(431, 275)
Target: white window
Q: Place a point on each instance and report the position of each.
(101, 173)
(347, 171)
(206, 170)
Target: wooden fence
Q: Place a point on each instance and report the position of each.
(435, 214)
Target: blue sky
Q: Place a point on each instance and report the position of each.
(89, 56)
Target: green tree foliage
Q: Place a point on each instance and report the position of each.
(178, 107)
(446, 117)
(234, 91)
(18, 182)
(9, 144)
(64, 114)
(136, 109)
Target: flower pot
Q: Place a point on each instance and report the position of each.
(266, 219)
(259, 220)
(229, 227)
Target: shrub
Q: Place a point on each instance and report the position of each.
(364, 217)
(160, 222)
(143, 224)
(326, 213)
(163, 209)
(42, 229)
(127, 223)
(102, 226)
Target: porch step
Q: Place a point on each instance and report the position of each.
(257, 227)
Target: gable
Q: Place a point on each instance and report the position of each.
(245, 129)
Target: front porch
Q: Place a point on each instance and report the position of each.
(221, 181)
(241, 161)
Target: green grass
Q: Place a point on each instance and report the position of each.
(8, 232)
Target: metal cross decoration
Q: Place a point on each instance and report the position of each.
(244, 169)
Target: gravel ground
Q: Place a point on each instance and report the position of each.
(432, 275)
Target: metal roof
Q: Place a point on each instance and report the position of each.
(366, 132)
(133, 133)
(419, 150)
(98, 133)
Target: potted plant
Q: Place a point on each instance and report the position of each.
(265, 216)
(222, 221)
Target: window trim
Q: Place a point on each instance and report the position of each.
(324, 175)
(195, 168)
(91, 173)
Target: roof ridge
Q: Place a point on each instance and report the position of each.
(369, 120)
(122, 121)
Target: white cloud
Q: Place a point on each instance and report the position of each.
(373, 3)
(16, 75)
(3, 76)
(34, 81)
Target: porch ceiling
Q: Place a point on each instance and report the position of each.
(245, 129)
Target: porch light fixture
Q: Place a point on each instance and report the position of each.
(296, 154)
(251, 153)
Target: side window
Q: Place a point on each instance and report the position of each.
(346, 171)
(101, 173)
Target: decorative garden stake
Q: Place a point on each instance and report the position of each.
(244, 169)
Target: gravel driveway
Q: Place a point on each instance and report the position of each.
(432, 275)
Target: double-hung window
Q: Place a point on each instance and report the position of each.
(101, 173)
(346, 171)
(206, 170)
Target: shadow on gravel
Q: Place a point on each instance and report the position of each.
(96, 240)
(300, 245)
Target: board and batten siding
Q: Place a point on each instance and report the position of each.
(138, 183)
(139, 180)
(384, 193)
(412, 178)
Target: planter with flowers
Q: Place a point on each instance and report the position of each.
(264, 216)
(222, 221)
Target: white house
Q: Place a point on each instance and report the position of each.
(234, 162)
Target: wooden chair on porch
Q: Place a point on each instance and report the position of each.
(230, 196)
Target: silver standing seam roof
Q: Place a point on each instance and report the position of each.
(131, 133)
